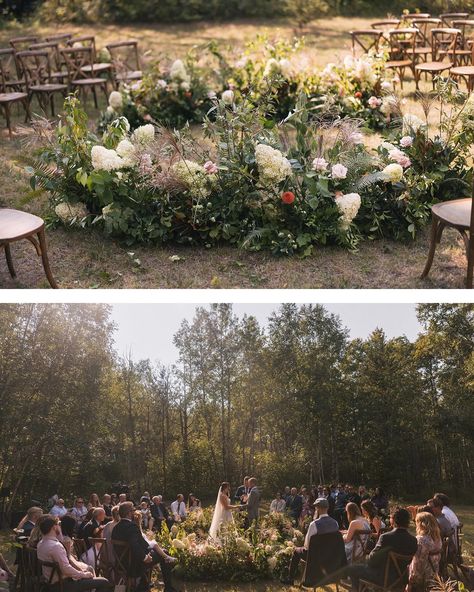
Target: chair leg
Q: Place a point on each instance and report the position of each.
(51, 102)
(470, 263)
(6, 109)
(94, 93)
(434, 235)
(8, 256)
(44, 258)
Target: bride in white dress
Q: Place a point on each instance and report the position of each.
(222, 512)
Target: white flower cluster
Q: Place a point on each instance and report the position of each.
(274, 67)
(179, 74)
(349, 205)
(412, 123)
(273, 167)
(115, 100)
(104, 159)
(126, 150)
(67, 212)
(144, 134)
(393, 173)
(196, 178)
(361, 68)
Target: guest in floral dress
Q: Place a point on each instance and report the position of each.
(425, 563)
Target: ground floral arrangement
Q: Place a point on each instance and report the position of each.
(183, 91)
(240, 555)
(251, 181)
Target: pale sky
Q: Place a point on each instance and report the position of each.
(147, 329)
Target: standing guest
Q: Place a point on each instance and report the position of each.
(253, 503)
(363, 493)
(242, 492)
(370, 512)
(331, 502)
(178, 508)
(322, 524)
(355, 547)
(425, 564)
(352, 495)
(286, 493)
(398, 540)
(29, 521)
(159, 513)
(194, 504)
(340, 504)
(107, 505)
(141, 554)
(436, 508)
(79, 510)
(145, 515)
(278, 505)
(50, 550)
(58, 509)
(94, 501)
(450, 515)
(294, 504)
(380, 500)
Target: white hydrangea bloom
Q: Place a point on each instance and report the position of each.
(127, 151)
(195, 177)
(67, 212)
(286, 68)
(393, 173)
(105, 160)
(228, 97)
(411, 123)
(271, 68)
(144, 134)
(273, 167)
(178, 72)
(115, 100)
(348, 205)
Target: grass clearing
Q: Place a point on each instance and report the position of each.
(87, 259)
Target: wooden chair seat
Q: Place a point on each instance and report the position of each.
(132, 75)
(97, 68)
(48, 87)
(419, 50)
(16, 225)
(457, 214)
(434, 66)
(398, 63)
(88, 81)
(15, 83)
(12, 97)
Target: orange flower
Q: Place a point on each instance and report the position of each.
(288, 197)
(358, 95)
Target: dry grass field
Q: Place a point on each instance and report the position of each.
(86, 259)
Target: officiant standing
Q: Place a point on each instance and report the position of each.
(242, 492)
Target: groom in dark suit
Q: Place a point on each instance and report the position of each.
(253, 502)
(141, 554)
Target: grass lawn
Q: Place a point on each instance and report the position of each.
(87, 259)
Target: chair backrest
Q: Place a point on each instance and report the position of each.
(449, 17)
(22, 43)
(385, 24)
(35, 66)
(79, 547)
(52, 47)
(425, 26)
(75, 59)
(366, 39)
(8, 67)
(401, 41)
(54, 572)
(457, 534)
(60, 37)
(360, 545)
(99, 548)
(396, 570)
(124, 55)
(466, 26)
(326, 557)
(445, 39)
(122, 558)
(415, 15)
(32, 566)
(84, 41)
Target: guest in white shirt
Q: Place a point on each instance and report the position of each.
(178, 508)
(58, 509)
(50, 550)
(278, 505)
(450, 515)
(79, 510)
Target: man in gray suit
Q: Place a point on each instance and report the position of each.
(253, 502)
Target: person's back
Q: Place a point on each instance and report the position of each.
(398, 541)
(127, 531)
(325, 524)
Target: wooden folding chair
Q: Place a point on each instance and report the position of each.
(76, 59)
(443, 42)
(58, 73)
(55, 577)
(99, 548)
(33, 571)
(360, 546)
(22, 43)
(423, 47)
(458, 214)
(395, 563)
(449, 17)
(414, 15)
(12, 77)
(9, 93)
(125, 61)
(401, 40)
(60, 37)
(386, 24)
(367, 39)
(97, 67)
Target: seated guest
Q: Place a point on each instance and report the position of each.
(322, 524)
(94, 501)
(178, 508)
(450, 515)
(369, 511)
(380, 500)
(398, 540)
(82, 525)
(50, 550)
(278, 505)
(194, 504)
(145, 498)
(425, 564)
(436, 508)
(79, 510)
(35, 535)
(107, 530)
(141, 555)
(160, 513)
(107, 505)
(68, 525)
(93, 528)
(352, 495)
(145, 515)
(29, 521)
(356, 522)
(58, 509)
(294, 505)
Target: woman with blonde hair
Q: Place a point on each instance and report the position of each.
(355, 543)
(94, 501)
(425, 563)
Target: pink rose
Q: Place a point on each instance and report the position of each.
(374, 102)
(210, 167)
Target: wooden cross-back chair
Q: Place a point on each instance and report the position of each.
(97, 67)
(55, 574)
(361, 545)
(22, 43)
(367, 39)
(414, 15)
(33, 571)
(12, 78)
(423, 47)
(457, 214)
(36, 66)
(444, 42)
(386, 24)
(60, 37)
(464, 53)
(79, 547)
(52, 47)
(99, 549)
(76, 58)
(11, 92)
(465, 72)
(401, 41)
(122, 559)
(125, 61)
(395, 564)
(449, 17)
